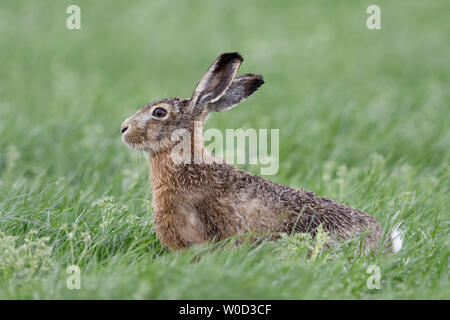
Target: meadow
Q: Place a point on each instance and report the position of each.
(364, 119)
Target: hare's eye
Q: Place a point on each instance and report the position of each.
(159, 113)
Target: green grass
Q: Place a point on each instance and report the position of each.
(363, 116)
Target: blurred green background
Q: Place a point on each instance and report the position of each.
(363, 116)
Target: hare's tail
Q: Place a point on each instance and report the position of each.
(396, 237)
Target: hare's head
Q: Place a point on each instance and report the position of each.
(152, 127)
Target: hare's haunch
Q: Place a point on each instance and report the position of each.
(198, 201)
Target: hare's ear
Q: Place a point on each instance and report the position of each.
(216, 80)
(239, 90)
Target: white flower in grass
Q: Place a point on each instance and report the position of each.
(22, 262)
(86, 236)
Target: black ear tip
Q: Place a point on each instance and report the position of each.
(229, 56)
(258, 83)
(253, 82)
(259, 80)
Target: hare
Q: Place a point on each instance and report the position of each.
(200, 201)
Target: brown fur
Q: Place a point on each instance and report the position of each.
(199, 202)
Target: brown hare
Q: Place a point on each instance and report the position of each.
(199, 201)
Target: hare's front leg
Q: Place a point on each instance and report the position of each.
(179, 229)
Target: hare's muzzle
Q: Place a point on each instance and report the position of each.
(132, 134)
(125, 125)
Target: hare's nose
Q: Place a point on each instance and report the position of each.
(124, 128)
